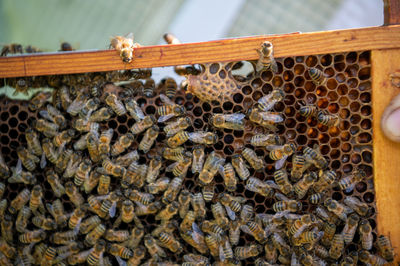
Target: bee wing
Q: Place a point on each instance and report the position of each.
(280, 196)
(269, 229)
(113, 210)
(272, 184)
(45, 114)
(246, 229)
(269, 116)
(166, 100)
(18, 168)
(77, 227)
(121, 262)
(164, 118)
(171, 166)
(279, 164)
(350, 188)
(43, 161)
(230, 213)
(281, 214)
(196, 229)
(195, 136)
(139, 112)
(239, 199)
(75, 105)
(272, 147)
(300, 230)
(234, 117)
(221, 170)
(221, 253)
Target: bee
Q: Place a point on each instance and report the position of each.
(308, 110)
(149, 138)
(336, 247)
(329, 230)
(198, 157)
(246, 252)
(89, 224)
(188, 221)
(287, 205)
(263, 140)
(127, 211)
(39, 100)
(166, 227)
(54, 115)
(77, 104)
(83, 125)
(142, 197)
(348, 183)
(370, 259)
(77, 216)
(64, 97)
(195, 258)
(63, 238)
(355, 204)
(124, 46)
(44, 223)
(317, 76)
(178, 125)
(202, 137)
(6, 249)
(385, 246)
(64, 137)
(115, 104)
(19, 201)
(232, 204)
(22, 219)
(173, 154)
(281, 153)
(92, 181)
(256, 185)
(154, 169)
(219, 215)
(101, 115)
(124, 142)
(169, 110)
(266, 60)
(148, 87)
(96, 253)
(256, 162)
(178, 139)
(63, 159)
(3, 207)
(196, 240)
(184, 199)
(57, 211)
(4, 170)
(299, 166)
(33, 142)
(47, 128)
(282, 180)
(49, 256)
(302, 186)
(72, 165)
(210, 168)
(142, 125)
(13, 48)
(142, 209)
(365, 231)
(89, 106)
(109, 205)
(314, 155)
(82, 172)
(321, 251)
(28, 159)
(170, 242)
(138, 255)
(228, 174)
(247, 213)
(212, 244)
(271, 252)
(212, 228)
(68, 250)
(326, 179)
(135, 174)
(104, 141)
(20, 176)
(269, 120)
(299, 225)
(350, 228)
(36, 197)
(74, 196)
(127, 159)
(228, 121)
(255, 230)
(159, 185)
(92, 237)
(199, 206)
(4, 260)
(261, 262)
(337, 208)
(208, 192)
(234, 232)
(240, 166)
(328, 119)
(32, 236)
(153, 248)
(112, 168)
(119, 251)
(170, 86)
(49, 151)
(79, 258)
(267, 102)
(134, 109)
(180, 168)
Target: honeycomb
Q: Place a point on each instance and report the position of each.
(346, 93)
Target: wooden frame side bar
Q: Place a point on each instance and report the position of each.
(385, 37)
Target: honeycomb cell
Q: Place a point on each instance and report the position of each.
(352, 83)
(340, 78)
(256, 83)
(257, 95)
(266, 76)
(321, 91)
(331, 84)
(214, 68)
(364, 58)
(288, 76)
(364, 73)
(351, 58)
(299, 81)
(311, 61)
(367, 156)
(364, 138)
(366, 110)
(322, 103)
(326, 60)
(288, 62)
(277, 81)
(365, 86)
(4, 116)
(366, 124)
(352, 70)
(355, 106)
(299, 69)
(4, 128)
(13, 122)
(266, 88)
(343, 101)
(247, 90)
(237, 98)
(309, 86)
(329, 72)
(339, 67)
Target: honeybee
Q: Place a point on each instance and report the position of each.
(219, 215)
(263, 140)
(142, 125)
(337, 208)
(153, 248)
(286, 205)
(20, 176)
(228, 174)
(195, 258)
(36, 197)
(299, 225)
(188, 221)
(149, 87)
(19, 201)
(47, 128)
(365, 231)
(4, 170)
(101, 115)
(63, 159)
(314, 155)
(212, 228)
(321, 251)
(166, 227)
(355, 204)
(266, 60)
(198, 157)
(77, 104)
(159, 185)
(72, 165)
(57, 211)
(208, 192)
(124, 46)
(326, 179)
(169, 110)
(154, 169)
(265, 119)
(299, 166)
(76, 217)
(255, 230)
(119, 251)
(63, 238)
(195, 239)
(246, 252)
(138, 254)
(309, 110)
(22, 219)
(33, 142)
(28, 159)
(330, 120)
(256, 185)
(92, 181)
(385, 246)
(44, 223)
(83, 125)
(178, 125)
(240, 166)
(135, 174)
(370, 259)
(317, 76)
(89, 224)
(149, 138)
(202, 137)
(180, 168)
(178, 139)
(104, 141)
(184, 199)
(228, 121)
(127, 159)
(280, 244)
(336, 247)
(302, 186)
(348, 183)
(232, 204)
(4, 260)
(282, 180)
(3, 207)
(109, 205)
(134, 109)
(142, 197)
(329, 230)
(115, 104)
(79, 258)
(68, 250)
(39, 100)
(198, 205)
(267, 102)
(173, 154)
(32, 236)
(74, 196)
(256, 162)
(212, 244)
(210, 168)
(135, 238)
(281, 153)
(234, 232)
(82, 173)
(122, 144)
(170, 242)
(6, 249)
(92, 237)
(96, 254)
(89, 106)
(247, 213)
(113, 168)
(13, 48)
(350, 228)
(54, 115)
(142, 209)
(64, 97)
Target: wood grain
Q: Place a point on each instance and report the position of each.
(205, 52)
(386, 154)
(391, 12)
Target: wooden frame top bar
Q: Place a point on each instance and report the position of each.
(295, 44)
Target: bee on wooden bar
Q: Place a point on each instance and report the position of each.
(266, 60)
(124, 46)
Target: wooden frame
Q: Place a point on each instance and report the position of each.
(384, 43)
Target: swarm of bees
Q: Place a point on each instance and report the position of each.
(113, 192)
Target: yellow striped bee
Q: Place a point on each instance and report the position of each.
(326, 179)
(92, 237)
(385, 246)
(127, 159)
(113, 168)
(124, 47)
(104, 141)
(198, 205)
(337, 247)
(170, 87)
(77, 104)
(55, 183)
(232, 204)
(39, 100)
(142, 125)
(348, 183)
(20, 176)
(184, 199)
(365, 231)
(299, 225)
(219, 215)
(118, 250)
(317, 76)
(337, 208)
(4, 170)
(308, 110)
(36, 199)
(134, 109)
(246, 252)
(370, 259)
(169, 110)
(202, 137)
(255, 230)
(330, 120)
(149, 87)
(83, 125)
(153, 248)
(208, 192)
(264, 140)
(101, 114)
(28, 159)
(212, 244)
(225, 251)
(154, 169)
(115, 104)
(350, 228)
(170, 242)
(149, 138)
(198, 157)
(178, 125)
(251, 157)
(228, 174)
(228, 121)
(269, 120)
(361, 208)
(302, 186)
(74, 196)
(159, 185)
(285, 204)
(96, 254)
(281, 153)
(138, 254)
(122, 144)
(282, 180)
(299, 166)
(263, 188)
(33, 142)
(210, 168)
(6, 249)
(32, 236)
(267, 102)
(180, 168)
(22, 219)
(266, 60)
(152, 208)
(19, 201)
(240, 166)
(82, 172)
